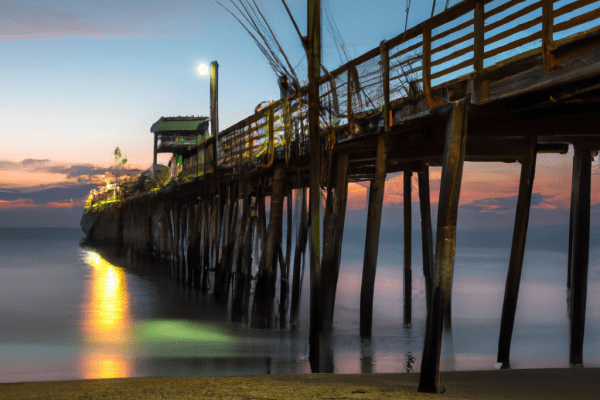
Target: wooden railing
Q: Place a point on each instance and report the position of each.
(415, 67)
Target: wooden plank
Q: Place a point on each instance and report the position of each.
(578, 20)
(517, 252)
(516, 29)
(567, 8)
(582, 164)
(513, 16)
(407, 248)
(502, 8)
(454, 152)
(372, 240)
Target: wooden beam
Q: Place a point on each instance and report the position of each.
(372, 241)
(513, 279)
(580, 242)
(454, 152)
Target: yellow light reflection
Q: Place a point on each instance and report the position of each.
(106, 320)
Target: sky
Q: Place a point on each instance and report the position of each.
(79, 78)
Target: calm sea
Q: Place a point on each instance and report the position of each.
(67, 313)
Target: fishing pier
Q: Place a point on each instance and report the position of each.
(469, 84)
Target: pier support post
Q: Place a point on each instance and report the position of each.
(264, 294)
(580, 243)
(333, 231)
(372, 240)
(454, 153)
(301, 239)
(240, 268)
(513, 279)
(407, 248)
(426, 233)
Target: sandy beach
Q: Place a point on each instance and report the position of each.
(501, 384)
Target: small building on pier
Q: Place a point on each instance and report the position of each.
(181, 137)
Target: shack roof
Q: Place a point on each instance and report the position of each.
(178, 124)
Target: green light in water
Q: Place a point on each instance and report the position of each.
(163, 330)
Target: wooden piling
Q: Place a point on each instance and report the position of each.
(426, 233)
(372, 240)
(454, 153)
(237, 308)
(582, 165)
(407, 247)
(301, 239)
(313, 53)
(513, 279)
(247, 257)
(333, 231)
(264, 294)
(284, 283)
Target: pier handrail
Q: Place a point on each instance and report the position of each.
(422, 62)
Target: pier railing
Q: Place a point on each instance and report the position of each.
(413, 72)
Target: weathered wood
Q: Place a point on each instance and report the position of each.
(262, 310)
(206, 256)
(582, 164)
(333, 230)
(301, 239)
(407, 247)
(426, 234)
(454, 151)
(238, 265)
(372, 241)
(314, 74)
(427, 63)
(221, 270)
(284, 284)
(247, 258)
(547, 34)
(385, 63)
(513, 279)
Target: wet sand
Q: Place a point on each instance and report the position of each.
(502, 384)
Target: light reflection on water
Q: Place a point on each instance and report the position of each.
(106, 320)
(68, 313)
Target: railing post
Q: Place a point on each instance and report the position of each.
(427, 64)
(547, 34)
(478, 93)
(385, 62)
(349, 107)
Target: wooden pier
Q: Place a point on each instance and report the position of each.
(398, 107)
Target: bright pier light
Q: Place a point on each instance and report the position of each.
(203, 69)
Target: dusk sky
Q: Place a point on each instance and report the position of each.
(79, 78)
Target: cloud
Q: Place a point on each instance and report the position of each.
(23, 21)
(45, 194)
(502, 205)
(32, 161)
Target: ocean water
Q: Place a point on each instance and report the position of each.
(68, 313)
